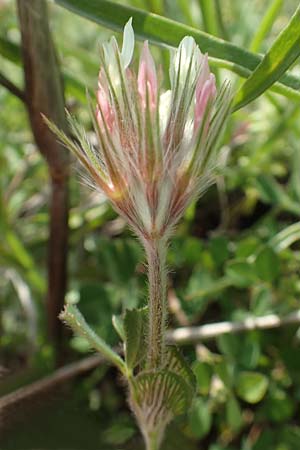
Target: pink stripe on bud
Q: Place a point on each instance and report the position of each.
(104, 105)
(205, 91)
(206, 94)
(147, 78)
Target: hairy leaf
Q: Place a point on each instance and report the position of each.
(72, 316)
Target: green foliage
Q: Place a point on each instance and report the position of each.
(233, 414)
(241, 273)
(267, 264)
(200, 419)
(203, 373)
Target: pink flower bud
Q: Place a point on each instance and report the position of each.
(104, 109)
(147, 78)
(205, 92)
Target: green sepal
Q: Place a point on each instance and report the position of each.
(134, 332)
(162, 394)
(118, 324)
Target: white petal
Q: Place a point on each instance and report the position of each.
(164, 110)
(164, 201)
(186, 46)
(110, 48)
(186, 58)
(128, 44)
(142, 206)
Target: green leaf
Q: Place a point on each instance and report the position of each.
(72, 316)
(203, 373)
(279, 407)
(219, 250)
(225, 372)
(251, 386)
(272, 192)
(290, 434)
(19, 251)
(249, 357)
(119, 432)
(265, 440)
(200, 419)
(118, 324)
(267, 264)
(219, 447)
(10, 51)
(261, 300)
(22, 258)
(163, 31)
(284, 51)
(202, 286)
(118, 259)
(229, 345)
(134, 328)
(96, 306)
(233, 413)
(247, 247)
(241, 273)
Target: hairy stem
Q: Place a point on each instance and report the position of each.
(152, 443)
(156, 259)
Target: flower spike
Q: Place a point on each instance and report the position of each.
(157, 150)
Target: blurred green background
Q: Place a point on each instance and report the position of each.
(235, 255)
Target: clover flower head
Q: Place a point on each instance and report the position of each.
(157, 150)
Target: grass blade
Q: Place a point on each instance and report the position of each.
(284, 51)
(208, 12)
(266, 24)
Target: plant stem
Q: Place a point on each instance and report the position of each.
(152, 443)
(44, 95)
(156, 258)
